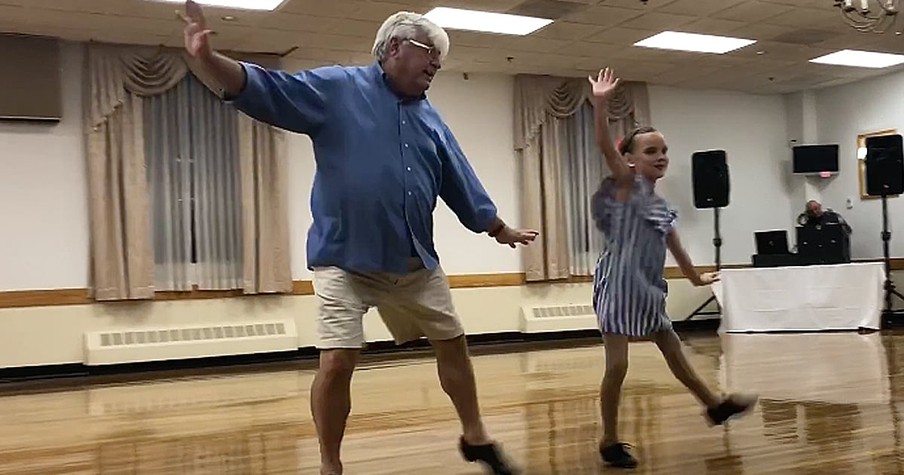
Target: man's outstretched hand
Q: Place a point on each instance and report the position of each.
(226, 73)
(516, 236)
(197, 35)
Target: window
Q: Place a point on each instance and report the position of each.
(191, 145)
(582, 170)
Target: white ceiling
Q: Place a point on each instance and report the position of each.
(587, 35)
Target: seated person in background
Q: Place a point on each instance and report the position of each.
(816, 216)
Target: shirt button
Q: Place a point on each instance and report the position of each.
(409, 193)
(406, 145)
(409, 168)
(403, 122)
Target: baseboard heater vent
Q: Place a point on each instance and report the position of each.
(541, 319)
(199, 341)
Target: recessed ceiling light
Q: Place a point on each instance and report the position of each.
(860, 59)
(693, 42)
(487, 22)
(267, 5)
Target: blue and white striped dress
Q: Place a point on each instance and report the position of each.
(629, 290)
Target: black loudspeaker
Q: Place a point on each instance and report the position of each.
(884, 165)
(710, 179)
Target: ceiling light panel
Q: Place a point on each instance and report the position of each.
(860, 59)
(694, 42)
(486, 22)
(263, 5)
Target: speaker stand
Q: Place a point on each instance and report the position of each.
(717, 243)
(889, 312)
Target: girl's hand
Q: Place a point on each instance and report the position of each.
(707, 278)
(604, 85)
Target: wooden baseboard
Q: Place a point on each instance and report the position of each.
(466, 281)
(463, 281)
(302, 287)
(40, 298)
(62, 297)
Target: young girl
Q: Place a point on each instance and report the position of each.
(629, 291)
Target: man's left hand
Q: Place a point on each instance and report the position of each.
(515, 236)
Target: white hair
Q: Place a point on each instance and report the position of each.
(406, 25)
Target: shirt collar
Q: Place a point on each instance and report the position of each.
(377, 69)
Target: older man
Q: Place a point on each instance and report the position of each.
(815, 215)
(384, 156)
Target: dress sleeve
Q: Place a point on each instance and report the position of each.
(606, 208)
(603, 204)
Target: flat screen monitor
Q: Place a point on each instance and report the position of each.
(815, 159)
(771, 243)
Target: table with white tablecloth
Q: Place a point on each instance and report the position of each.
(805, 298)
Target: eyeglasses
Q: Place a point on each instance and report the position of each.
(431, 50)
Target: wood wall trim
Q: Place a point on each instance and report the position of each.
(467, 281)
(302, 287)
(41, 298)
(59, 297)
(62, 297)
(463, 281)
(674, 272)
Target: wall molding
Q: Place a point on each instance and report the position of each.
(43, 298)
(65, 297)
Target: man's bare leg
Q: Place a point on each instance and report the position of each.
(331, 404)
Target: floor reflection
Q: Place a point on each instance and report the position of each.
(825, 408)
(266, 449)
(830, 403)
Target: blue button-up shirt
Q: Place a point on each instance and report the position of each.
(381, 164)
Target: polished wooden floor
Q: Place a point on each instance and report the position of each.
(830, 403)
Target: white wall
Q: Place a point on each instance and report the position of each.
(43, 192)
(43, 173)
(43, 195)
(479, 112)
(800, 109)
(845, 112)
(752, 130)
(43, 188)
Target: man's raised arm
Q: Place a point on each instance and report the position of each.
(295, 102)
(227, 72)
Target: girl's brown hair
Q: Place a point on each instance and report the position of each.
(627, 144)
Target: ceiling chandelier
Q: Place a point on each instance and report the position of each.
(875, 16)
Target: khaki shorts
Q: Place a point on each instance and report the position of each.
(415, 305)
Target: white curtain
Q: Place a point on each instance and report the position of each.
(553, 178)
(582, 170)
(192, 153)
